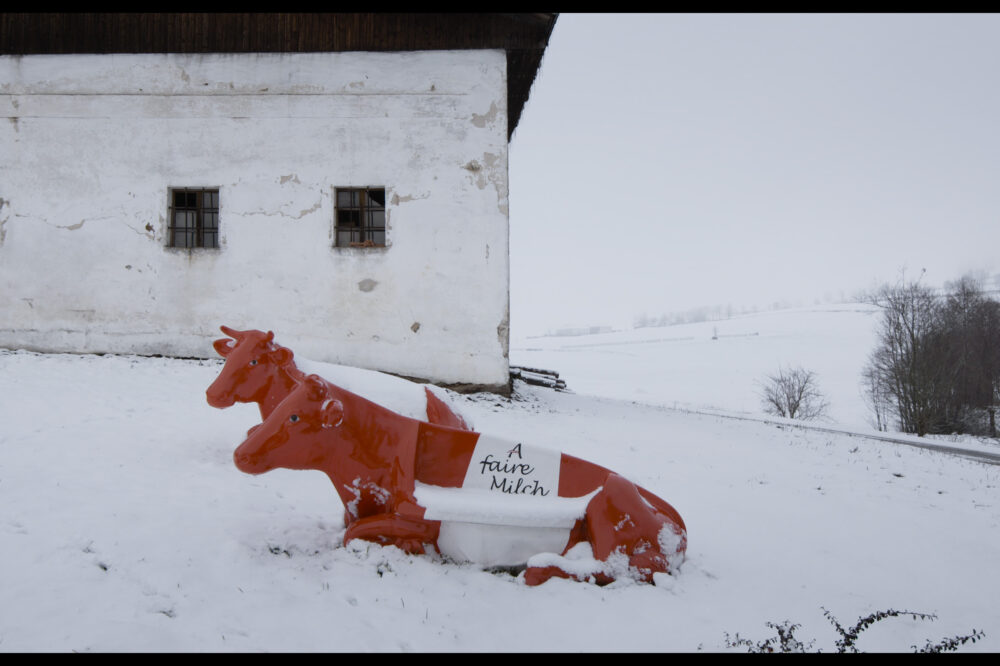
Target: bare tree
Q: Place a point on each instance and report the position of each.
(877, 396)
(937, 361)
(909, 363)
(793, 393)
(973, 330)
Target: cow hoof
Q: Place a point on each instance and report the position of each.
(408, 546)
(539, 575)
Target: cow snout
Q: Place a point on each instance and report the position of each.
(244, 462)
(219, 399)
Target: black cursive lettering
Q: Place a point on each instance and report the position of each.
(518, 487)
(489, 464)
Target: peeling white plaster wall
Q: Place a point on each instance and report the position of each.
(91, 145)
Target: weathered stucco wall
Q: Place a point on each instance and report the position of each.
(92, 144)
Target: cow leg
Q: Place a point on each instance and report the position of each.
(577, 561)
(619, 520)
(618, 523)
(408, 534)
(539, 574)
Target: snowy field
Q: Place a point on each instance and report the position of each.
(125, 526)
(717, 364)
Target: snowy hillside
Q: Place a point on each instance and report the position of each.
(717, 364)
(125, 526)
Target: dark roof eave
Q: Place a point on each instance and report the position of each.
(524, 37)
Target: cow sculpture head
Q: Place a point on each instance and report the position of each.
(253, 362)
(298, 434)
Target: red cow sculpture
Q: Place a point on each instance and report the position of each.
(258, 370)
(383, 465)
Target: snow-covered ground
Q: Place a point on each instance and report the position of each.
(717, 364)
(125, 526)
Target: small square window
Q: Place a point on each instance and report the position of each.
(194, 218)
(359, 218)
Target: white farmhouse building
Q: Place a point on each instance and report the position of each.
(340, 179)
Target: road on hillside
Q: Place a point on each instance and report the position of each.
(986, 457)
(979, 456)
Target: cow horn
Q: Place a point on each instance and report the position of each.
(222, 346)
(232, 332)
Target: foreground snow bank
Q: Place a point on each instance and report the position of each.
(124, 526)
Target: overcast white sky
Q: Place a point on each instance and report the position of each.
(671, 161)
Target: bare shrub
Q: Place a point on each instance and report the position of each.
(786, 641)
(793, 393)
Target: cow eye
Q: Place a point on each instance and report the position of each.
(253, 362)
(293, 418)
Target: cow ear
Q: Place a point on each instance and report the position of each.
(231, 332)
(332, 413)
(315, 387)
(222, 346)
(281, 356)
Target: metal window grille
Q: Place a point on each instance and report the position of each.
(360, 216)
(194, 218)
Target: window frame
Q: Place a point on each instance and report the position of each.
(363, 234)
(202, 229)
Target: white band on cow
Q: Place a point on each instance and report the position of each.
(512, 468)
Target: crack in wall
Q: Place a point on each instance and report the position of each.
(78, 225)
(503, 333)
(147, 230)
(4, 203)
(396, 199)
(279, 213)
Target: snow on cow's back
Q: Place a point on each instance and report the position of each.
(395, 393)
